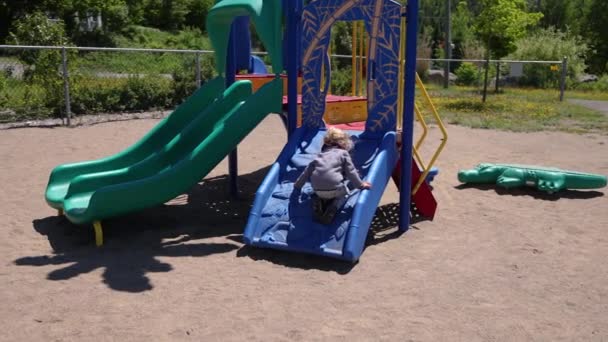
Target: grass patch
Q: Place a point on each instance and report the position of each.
(9, 60)
(147, 62)
(20, 102)
(520, 110)
(596, 95)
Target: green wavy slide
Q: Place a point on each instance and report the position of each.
(176, 154)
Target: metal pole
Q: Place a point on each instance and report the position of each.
(497, 77)
(198, 70)
(448, 44)
(485, 82)
(66, 85)
(562, 82)
(233, 169)
(407, 133)
(293, 26)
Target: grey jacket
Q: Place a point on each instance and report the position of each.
(329, 169)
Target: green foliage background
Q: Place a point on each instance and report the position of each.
(519, 29)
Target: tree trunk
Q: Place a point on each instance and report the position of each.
(497, 76)
(485, 79)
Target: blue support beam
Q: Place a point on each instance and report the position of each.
(407, 135)
(294, 28)
(230, 78)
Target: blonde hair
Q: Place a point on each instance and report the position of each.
(339, 138)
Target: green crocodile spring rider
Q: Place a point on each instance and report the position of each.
(545, 179)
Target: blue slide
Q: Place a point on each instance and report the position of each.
(282, 218)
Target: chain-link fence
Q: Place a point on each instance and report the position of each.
(501, 74)
(45, 82)
(498, 75)
(58, 82)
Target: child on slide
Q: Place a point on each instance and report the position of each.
(329, 173)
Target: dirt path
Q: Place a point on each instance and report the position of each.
(493, 266)
(600, 106)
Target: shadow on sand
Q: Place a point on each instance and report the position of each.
(533, 192)
(133, 242)
(383, 228)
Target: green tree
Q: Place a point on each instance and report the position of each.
(11, 10)
(596, 31)
(44, 65)
(115, 15)
(563, 15)
(462, 20)
(197, 13)
(499, 24)
(550, 45)
(136, 10)
(167, 14)
(38, 29)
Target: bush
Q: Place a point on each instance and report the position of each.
(600, 85)
(148, 92)
(37, 29)
(467, 74)
(20, 100)
(90, 95)
(423, 51)
(184, 83)
(341, 81)
(550, 44)
(103, 95)
(3, 91)
(44, 65)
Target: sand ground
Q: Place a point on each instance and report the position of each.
(493, 266)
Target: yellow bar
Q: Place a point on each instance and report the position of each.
(329, 66)
(322, 85)
(361, 58)
(98, 233)
(444, 133)
(354, 58)
(425, 127)
(416, 147)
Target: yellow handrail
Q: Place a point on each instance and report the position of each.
(417, 111)
(444, 133)
(329, 58)
(401, 84)
(362, 59)
(358, 59)
(419, 142)
(354, 57)
(425, 127)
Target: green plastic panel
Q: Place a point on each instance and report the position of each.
(183, 162)
(267, 17)
(159, 136)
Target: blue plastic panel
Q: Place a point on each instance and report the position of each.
(282, 218)
(382, 21)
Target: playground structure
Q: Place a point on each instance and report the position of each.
(189, 143)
